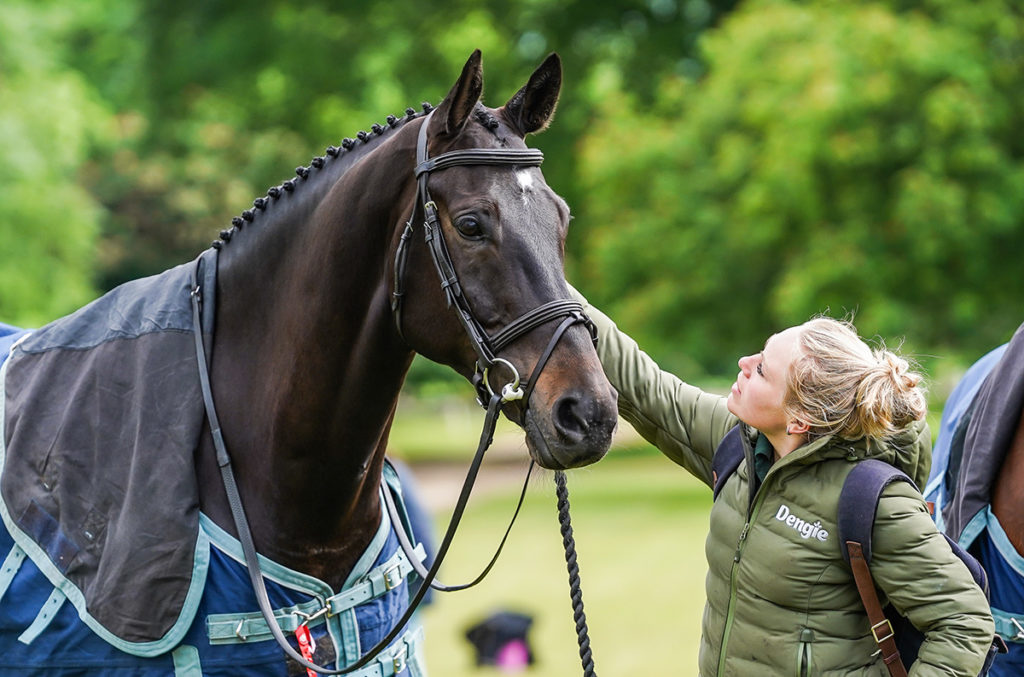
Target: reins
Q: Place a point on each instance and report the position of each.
(485, 347)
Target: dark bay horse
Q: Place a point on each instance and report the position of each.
(305, 329)
(323, 293)
(977, 483)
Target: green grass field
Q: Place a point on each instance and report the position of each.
(639, 523)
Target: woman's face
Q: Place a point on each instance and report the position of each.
(756, 397)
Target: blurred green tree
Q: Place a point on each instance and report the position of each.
(733, 167)
(217, 101)
(840, 157)
(50, 121)
(220, 99)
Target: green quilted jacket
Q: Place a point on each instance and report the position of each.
(780, 598)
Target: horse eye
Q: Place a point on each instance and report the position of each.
(469, 227)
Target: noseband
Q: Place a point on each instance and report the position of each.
(486, 347)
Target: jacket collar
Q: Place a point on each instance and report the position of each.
(910, 450)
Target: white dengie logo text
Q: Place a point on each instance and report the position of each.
(803, 527)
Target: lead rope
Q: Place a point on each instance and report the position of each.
(575, 592)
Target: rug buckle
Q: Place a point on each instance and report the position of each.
(393, 577)
(398, 660)
(309, 618)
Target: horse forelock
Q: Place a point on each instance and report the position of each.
(486, 118)
(490, 123)
(346, 152)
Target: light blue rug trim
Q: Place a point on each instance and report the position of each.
(405, 653)
(45, 616)
(1002, 542)
(362, 566)
(973, 529)
(186, 661)
(347, 623)
(342, 628)
(252, 627)
(1009, 626)
(10, 567)
(270, 569)
(39, 557)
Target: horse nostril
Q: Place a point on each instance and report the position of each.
(570, 419)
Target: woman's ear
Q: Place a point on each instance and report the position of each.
(796, 427)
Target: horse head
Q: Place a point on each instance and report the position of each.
(503, 230)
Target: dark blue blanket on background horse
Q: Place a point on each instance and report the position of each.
(978, 422)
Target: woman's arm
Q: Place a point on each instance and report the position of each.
(914, 566)
(682, 421)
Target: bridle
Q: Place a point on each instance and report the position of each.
(486, 347)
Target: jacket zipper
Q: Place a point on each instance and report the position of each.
(732, 590)
(756, 500)
(752, 511)
(804, 653)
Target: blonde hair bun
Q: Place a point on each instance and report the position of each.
(899, 369)
(839, 385)
(889, 397)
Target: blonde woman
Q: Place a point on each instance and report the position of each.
(813, 401)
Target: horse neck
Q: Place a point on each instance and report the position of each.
(1008, 492)
(307, 367)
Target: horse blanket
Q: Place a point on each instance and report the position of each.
(107, 560)
(978, 422)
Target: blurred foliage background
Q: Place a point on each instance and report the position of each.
(733, 167)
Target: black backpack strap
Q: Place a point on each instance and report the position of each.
(858, 503)
(727, 458)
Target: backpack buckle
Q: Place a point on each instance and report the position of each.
(882, 624)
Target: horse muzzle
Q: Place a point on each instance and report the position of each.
(572, 429)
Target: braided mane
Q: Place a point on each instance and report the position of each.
(332, 153)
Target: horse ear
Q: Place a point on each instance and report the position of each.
(532, 107)
(465, 93)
